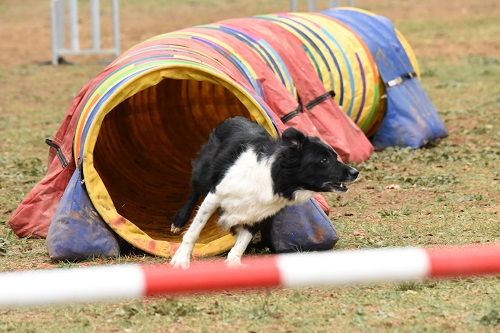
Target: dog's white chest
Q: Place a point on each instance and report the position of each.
(246, 193)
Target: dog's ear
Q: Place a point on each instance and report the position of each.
(293, 137)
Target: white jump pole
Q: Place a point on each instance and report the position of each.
(74, 27)
(327, 269)
(95, 19)
(57, 31)
(311, 5)
(58, 23)
(116, 26)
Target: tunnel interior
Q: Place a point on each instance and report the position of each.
(145, 146)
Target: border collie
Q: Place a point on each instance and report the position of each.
(247, 176)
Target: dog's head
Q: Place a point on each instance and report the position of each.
(314, 164)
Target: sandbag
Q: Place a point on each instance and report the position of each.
(77, 231)
(300, 228)
(410, 119)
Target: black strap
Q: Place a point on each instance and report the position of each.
(400, 79)
(309, 105)
(320, 99)
(59, 152)
(292, 114)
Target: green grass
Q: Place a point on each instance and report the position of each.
(446, 193)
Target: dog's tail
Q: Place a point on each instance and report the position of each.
(182, 216)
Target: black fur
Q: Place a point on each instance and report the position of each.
(305, 162)
(301, 162)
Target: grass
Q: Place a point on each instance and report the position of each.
(446, 193)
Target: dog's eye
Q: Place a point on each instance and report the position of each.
(325, 160)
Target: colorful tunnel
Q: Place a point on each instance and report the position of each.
(135, 128)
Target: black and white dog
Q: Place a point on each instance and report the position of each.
(248, 176)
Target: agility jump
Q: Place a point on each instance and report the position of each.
(320, 269)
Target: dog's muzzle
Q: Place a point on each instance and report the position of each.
(352, 175)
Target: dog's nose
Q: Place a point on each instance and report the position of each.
(353, 173)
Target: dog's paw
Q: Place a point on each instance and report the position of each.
(175, 230)
(233, 261)
(180, 261)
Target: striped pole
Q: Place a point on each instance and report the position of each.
(104, 283)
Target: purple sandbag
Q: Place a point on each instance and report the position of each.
(303, 227)
(77, 231)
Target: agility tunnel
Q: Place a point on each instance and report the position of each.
(119, 164)
(296, 270)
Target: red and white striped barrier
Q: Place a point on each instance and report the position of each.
(288, 270)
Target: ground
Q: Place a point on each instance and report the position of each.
(447, 193)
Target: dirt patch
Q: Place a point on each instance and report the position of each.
(26, 38)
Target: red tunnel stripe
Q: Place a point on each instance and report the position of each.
(460, 261)
(211, 276)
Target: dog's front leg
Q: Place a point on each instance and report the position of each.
(182, 256)
(243, 238)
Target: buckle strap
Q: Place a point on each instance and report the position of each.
(292, 114)
(59, 152)
(320, 99)
(400, 79)
(310, 105)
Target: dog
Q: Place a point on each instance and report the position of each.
(247, 176)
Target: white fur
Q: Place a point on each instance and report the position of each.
(245, 196)
(243, 238)
(182, 256)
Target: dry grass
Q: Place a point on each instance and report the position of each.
(448, 193)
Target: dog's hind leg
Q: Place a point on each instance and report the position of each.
(244, 236)
(182, 216)
(182, 256)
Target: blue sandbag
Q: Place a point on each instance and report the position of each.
(77, 231)
(301, 227)
(410, 120)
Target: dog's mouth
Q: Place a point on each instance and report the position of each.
(336, 187)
